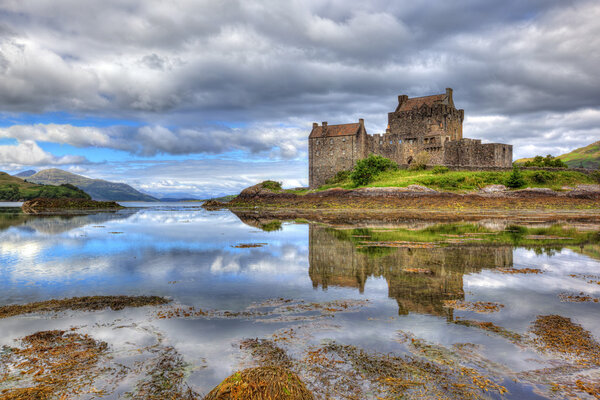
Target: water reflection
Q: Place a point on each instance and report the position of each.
(190, 255)
(337, 262)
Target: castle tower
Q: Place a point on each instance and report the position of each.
(427, 120)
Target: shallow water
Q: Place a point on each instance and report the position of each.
(188, 254)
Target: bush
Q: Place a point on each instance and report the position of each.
(440, 169)
(515, 179)
(596, 175)
(271, 185)
(542, 176)
(548, 161)
(366, 169)
(420, 161)
(340, 177)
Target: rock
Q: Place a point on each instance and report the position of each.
(588, 188)
(419, 188)
(213, 205)
(43, 205)
(533, 192)
(261, 383)
(493, 189)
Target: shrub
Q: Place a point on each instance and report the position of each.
(272, 185)
(366, 169)
(515, 179)
(548, 161)
(596, 175)
(340, 177)
(440, 169)
(542, 176)
(420, 161)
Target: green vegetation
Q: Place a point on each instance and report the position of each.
(439, 169)
(367, 169)
(341, 176)
(515, 179)
(420, 161)
(16, 189)
(469, 180)
(539, 161)
(272, 185)
(583, 157)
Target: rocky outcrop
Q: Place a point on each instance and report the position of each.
(43, 205)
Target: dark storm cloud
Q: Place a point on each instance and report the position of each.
(187, 64)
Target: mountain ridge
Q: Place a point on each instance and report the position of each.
(99, 189)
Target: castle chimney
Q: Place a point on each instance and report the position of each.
(449, 97)
(401, 99)
(324, 125)
(361, 122)
(315, 125)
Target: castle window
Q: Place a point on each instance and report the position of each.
(391, 142)
(330, 141)
(343, 139)
(317, 153)
(318, 142)
(344, 152)
(381, 142)
(399, 141)
(331, 153)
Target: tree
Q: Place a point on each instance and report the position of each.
(366, 169)
(420, 161)
(515, 179)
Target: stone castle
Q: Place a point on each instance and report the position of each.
(431, 124)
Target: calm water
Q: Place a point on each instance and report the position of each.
(188, 254)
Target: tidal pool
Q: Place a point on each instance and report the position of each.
(349, 308)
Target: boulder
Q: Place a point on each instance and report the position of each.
(493, 189)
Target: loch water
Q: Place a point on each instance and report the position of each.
(300, 284)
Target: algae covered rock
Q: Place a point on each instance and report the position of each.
(261, 383)
(44, 205)
(212, 205)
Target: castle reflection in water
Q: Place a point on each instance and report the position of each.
(338, 262)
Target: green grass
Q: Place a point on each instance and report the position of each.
(466, 180)
(14, 189)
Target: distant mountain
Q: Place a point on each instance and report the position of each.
(97, 188)
(13, 188)
(25, 174)
(586, 157)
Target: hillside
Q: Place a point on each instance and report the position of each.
(586, 157)
(97, 188)
(15, 189)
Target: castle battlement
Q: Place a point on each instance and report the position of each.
(429, 123)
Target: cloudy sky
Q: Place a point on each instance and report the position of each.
(207, 97)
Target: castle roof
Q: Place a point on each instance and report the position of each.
(335, 130)
(406, 104)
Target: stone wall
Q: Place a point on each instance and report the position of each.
(329, 155)
(471, 152)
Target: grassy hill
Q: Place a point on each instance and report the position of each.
(97, 188)
(586, 157)
(470, 180)
(15, 189)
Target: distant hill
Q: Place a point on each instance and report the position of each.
(586, 157)
(15, 189)
(25, 174)
(97, 188)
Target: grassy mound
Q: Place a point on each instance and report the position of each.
(262, 383)
(469, 180)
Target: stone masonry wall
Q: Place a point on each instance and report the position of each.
(329, 155)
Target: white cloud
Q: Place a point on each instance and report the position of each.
(27, 152)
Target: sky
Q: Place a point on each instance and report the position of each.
(203, 98)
